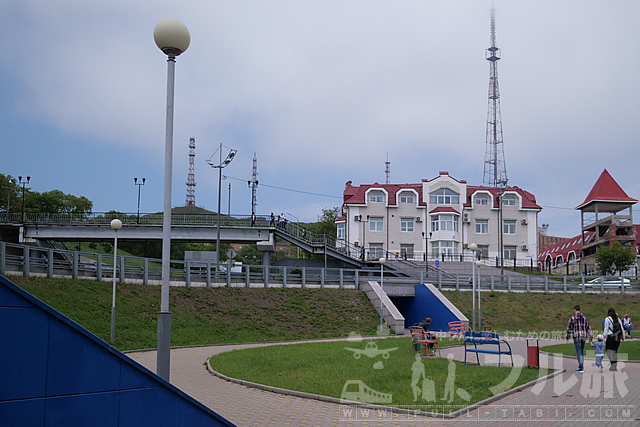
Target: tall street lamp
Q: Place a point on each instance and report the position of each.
(426, 250)
(135, 181)
(221, 165)
(9, 186)
(475, 262)
(116, 225)
(381, 261)
(23, 183)
(503, 187)
(173, 38)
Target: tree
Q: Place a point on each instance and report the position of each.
(614, 258)
(249, 254)
(54, 201)
(10, 192)
(326, 222)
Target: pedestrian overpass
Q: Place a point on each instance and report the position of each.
(38, 228)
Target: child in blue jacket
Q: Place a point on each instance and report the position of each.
(599, 345)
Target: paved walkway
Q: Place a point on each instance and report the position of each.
(563, 400)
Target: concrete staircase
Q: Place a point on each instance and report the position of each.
(391, 314)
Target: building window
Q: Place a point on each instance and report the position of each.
(509, 200)
(376, 197)
(342, 231)
(444, 196)
(510, 252)
(375, 250)
(509, 226)
(406, 197)
(406, 251)
(482, 226)
(406, 224)
(482, 200)
(444, 222)
(375, 224)
(442, 250)
(483, 250)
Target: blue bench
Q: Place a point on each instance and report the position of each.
(485, 339)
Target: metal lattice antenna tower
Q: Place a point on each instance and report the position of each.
(387, 169)
(495, 168)
(253, 183)
(191, 178)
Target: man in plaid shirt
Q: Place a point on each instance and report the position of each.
(579, 326)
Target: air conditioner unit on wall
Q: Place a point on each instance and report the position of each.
(418, 219)
(465, 218)
(524, 247)
(524, 222)
(466, 246)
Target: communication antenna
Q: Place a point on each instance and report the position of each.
(253, 183)
(495, 168)
(387, 169)
(191, 178)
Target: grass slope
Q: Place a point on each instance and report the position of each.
(230, 315)
(207, 315)
(517, 311)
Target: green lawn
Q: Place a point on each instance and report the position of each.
(629, 348)
(323, 368)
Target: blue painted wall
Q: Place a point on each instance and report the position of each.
(53, 372)
(425, 304)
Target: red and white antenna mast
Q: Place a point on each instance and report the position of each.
(191, 178)
(495, 168)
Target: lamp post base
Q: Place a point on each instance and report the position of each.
(164, 345)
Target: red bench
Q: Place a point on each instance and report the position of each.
(457, 328)
(419, 336)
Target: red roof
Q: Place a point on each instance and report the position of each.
(607, 190)
(528, 199)
(444, 209)
(356, 195)
(563, 249)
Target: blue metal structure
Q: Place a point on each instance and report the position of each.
(53, 372)
(429, 302)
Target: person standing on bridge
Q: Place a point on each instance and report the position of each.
(272, 223)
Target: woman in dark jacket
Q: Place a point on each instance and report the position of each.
(613, 333)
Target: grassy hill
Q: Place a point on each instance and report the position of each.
(207, 315)
(230, 315)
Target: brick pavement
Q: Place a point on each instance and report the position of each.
(246, 406)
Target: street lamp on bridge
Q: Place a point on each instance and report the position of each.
(23, 183)
(221, 165)
(135, 181)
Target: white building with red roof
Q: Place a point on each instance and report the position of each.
(439, 217)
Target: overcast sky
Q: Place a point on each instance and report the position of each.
(322, 92)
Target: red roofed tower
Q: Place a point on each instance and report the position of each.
(604, 217)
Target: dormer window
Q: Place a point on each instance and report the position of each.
(376, 197)
(406, 197)
(509, 200)
(444, 196)
(482, 200)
